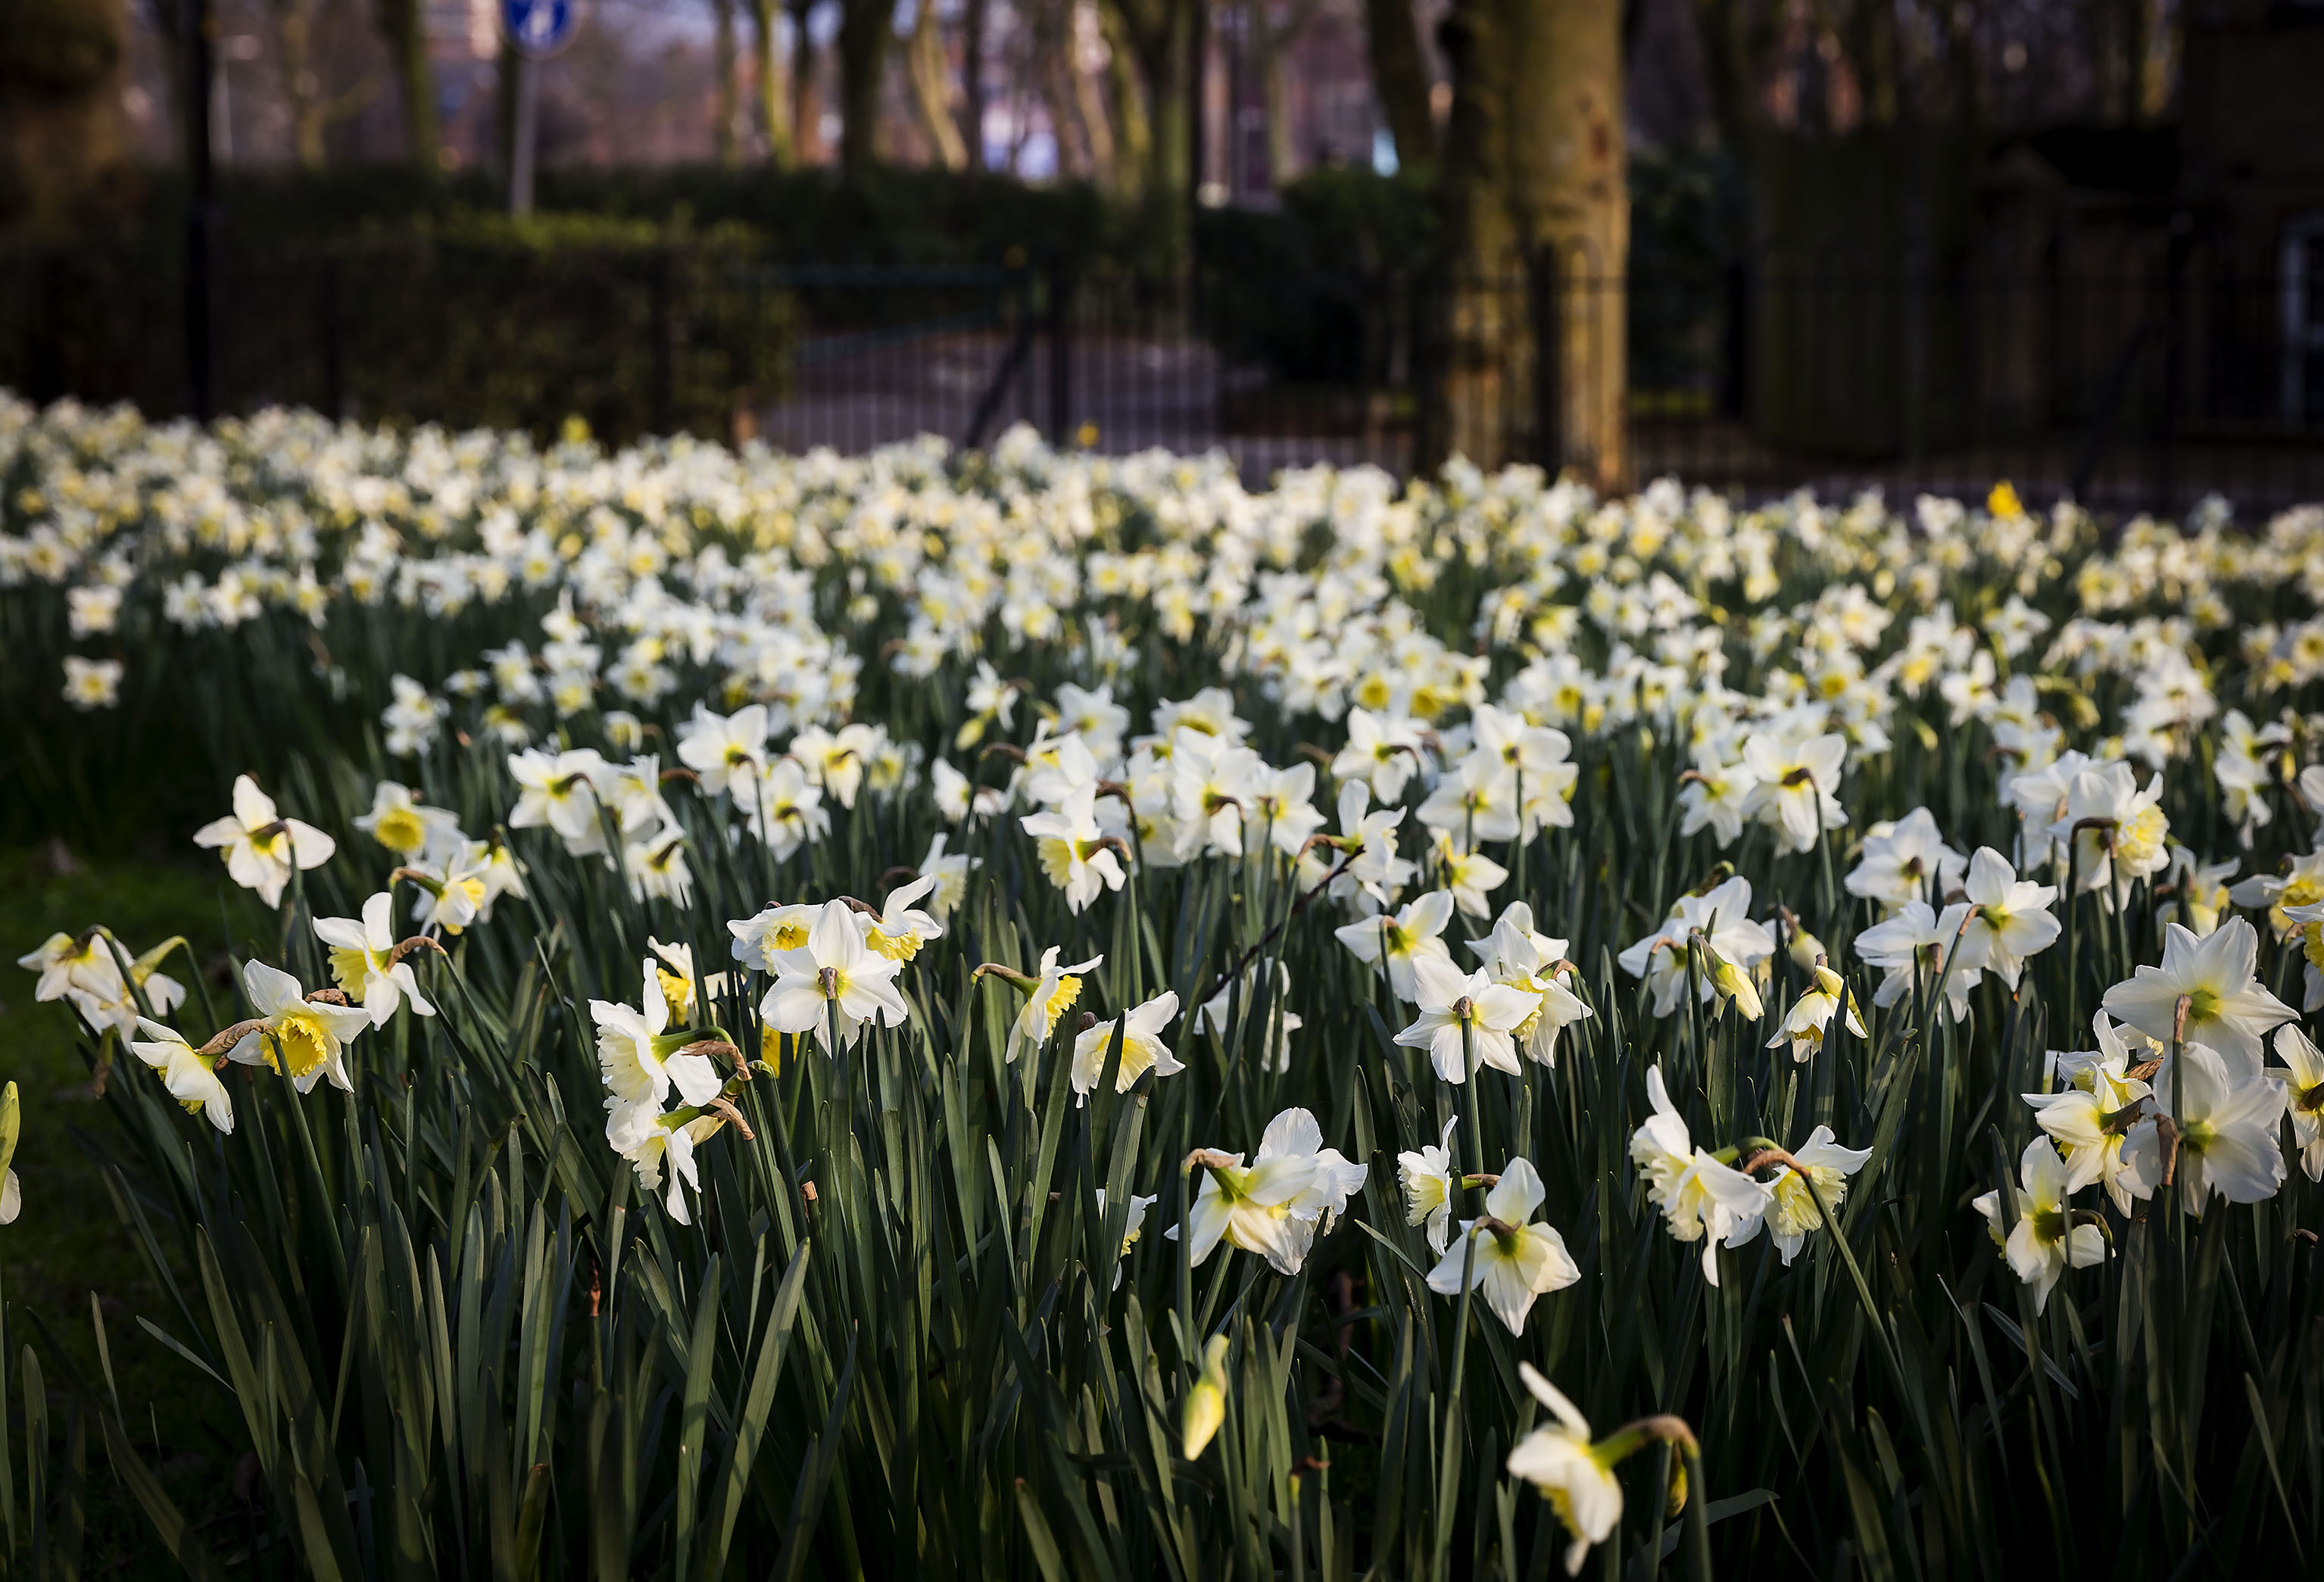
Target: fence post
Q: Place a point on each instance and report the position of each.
(1548, 361)
(2174, 303)
(201, 217)
(1061, 351)
(335, 405)
(659, 329)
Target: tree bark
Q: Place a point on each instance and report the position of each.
(864, 32)
(1274, 41)
(1400, 79)
(932, 90)
(1127, 89)
(1089, 102)
(1161, 37)
(971, 80)
(774, 111)
(64, 138)
(1535, 174)
(404, 25)
(807, 98)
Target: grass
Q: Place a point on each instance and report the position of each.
(67, 1247)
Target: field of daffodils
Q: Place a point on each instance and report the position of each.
(1023, 1014)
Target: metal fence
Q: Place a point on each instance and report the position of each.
(2141, 389)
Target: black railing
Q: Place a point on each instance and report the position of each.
(2141, 389)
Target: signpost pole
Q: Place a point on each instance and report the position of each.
(528, 127)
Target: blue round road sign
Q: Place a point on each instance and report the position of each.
(538, 27)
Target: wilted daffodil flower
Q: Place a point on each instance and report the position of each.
(262, 848)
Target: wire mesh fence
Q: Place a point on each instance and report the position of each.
(2143, 388)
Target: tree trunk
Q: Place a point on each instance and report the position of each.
(64, 138)
(774, 112)
(1400, 79)
(1536, 170)
(725, 100)
(971, 81)
(1274, 41)
(1127, 90)
(807, 98)
(302, 90)
(1089, 102)
(864, 32)
(404, 25)
(1161, 37)
(932, 90)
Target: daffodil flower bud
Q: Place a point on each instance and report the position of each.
(1207, 1403)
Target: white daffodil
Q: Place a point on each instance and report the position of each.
(1668, 958)
(2045, 1242)
(1464, 1018)
(783, 808)
(2009, 918)
(401, 824)
(656, 867)
(760, 941)
(1702, 1198)
(727, 753)
(1511, 1261)
(1914, 947)
(1142, 1048)
(1132, 1228)
(2092, 1120)
(1426, 1175)
(1794, 1213)
(558, 792)
(1532, 963)
(262, 848)
(676, 975)
(834, 976)
(2302, 1076)
(2227, 1121)
(1384, 751)
(2301, 883)
(1076, 851)
(1392, 942)
(1470, 876)
(652, 1147)
(1368, 863)
(2227, 1008)
(951, 871)
(2119, 832)
(1811, 1014)
(305, 1039)
(192, 1080)
(638, 1057)
(900, 930)
(1049, 994)
(1906, 860)
(1572, 1473)
(365, 963)
(68, 964)
(1797, 788)
(1293, 1188)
